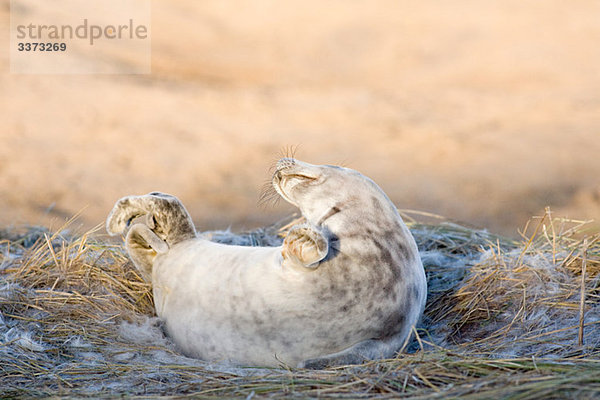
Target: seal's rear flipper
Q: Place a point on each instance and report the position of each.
(166, 223)
(167, 217)
(124, 211)
(143, 246)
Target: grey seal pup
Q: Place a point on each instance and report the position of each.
(345, 287)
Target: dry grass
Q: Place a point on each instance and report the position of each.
(504, 320)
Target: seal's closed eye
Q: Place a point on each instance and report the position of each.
(301, 176)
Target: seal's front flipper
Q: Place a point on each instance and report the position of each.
(305, 246)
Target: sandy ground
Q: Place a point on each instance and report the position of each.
(484, 112)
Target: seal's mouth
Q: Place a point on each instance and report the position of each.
(282, 181)
(279, 190)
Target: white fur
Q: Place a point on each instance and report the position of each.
(333, 293)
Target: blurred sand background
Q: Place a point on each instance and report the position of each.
(484, 112)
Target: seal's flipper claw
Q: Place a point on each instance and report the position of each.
(305, 245)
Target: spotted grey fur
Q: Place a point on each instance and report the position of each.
(345, 287)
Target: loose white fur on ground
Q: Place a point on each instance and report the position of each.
(490, 299)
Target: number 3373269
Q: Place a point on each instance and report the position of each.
(41, 46)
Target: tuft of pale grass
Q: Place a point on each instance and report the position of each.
(504, 318)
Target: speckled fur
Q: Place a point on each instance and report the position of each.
(347, 286)
(156, 221)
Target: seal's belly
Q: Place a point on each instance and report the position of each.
(235, 303)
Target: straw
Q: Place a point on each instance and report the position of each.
(505, 319)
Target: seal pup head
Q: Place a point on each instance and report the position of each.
(321, 192)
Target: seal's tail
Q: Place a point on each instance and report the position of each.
(156, 221)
